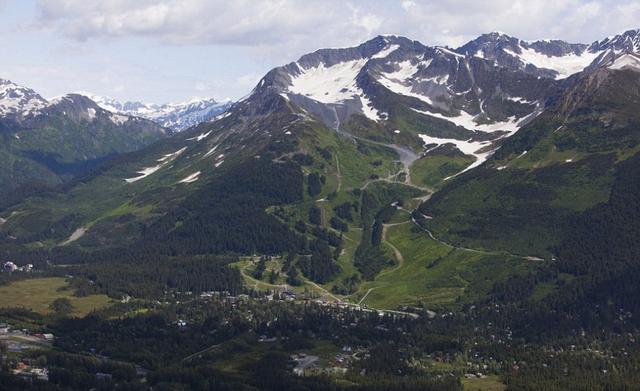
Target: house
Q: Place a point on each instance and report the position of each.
(264, 338)
(30, 373)
(40, 373)
(304, 364)
(9, 267)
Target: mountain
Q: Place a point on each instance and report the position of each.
(562, 164)
(399, 216)
(391, 171)
(550, 58)
(17, 101)
(46, 143)
(437, 95)
(176, 116)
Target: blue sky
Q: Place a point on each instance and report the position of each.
(170, 50)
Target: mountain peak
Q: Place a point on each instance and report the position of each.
(629, 41)
(19, 101)
(177, 116)
(497, 35)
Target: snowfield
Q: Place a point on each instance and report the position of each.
(565, 66)
(626, 61)
(333, 84)
(467, 121)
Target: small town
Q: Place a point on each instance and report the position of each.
(18, 341)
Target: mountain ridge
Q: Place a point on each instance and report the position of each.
(47, 142)
(177, 116)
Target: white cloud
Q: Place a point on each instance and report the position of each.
(407, 5)
(454, 21)
(286, 26)
(238, 22)
(245, 38)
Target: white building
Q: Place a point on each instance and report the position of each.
(9, 267)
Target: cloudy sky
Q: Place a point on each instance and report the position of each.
(170, 50)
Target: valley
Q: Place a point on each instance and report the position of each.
(385, 216)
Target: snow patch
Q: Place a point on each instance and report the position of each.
(565, 66)
(386, 51)
(145, 172)
(200, 137)
(626, 61)
(191, 178)
(450, 52)
(399, 81)
(399, 88)
(333, 84)
(118, 119)
(368, 109)
(221, 116)
(171, 156)
(211, 151)
(467, 121)
(520, 99)
(478, 149)
(405, 70)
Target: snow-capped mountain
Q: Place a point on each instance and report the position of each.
(436, 81)
(629, 41)
(472, 97)
(550, 58)
(18, 101)
(448, 97)
(177, 116)
(24, 105)
(49, 142)
(390, 95)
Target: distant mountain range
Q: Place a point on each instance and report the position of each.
(48, 142)
(19, 101)
(176, 116)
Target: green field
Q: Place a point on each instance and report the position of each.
(434, 273)
(38, 294)
(434, 168)
(489, 383)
